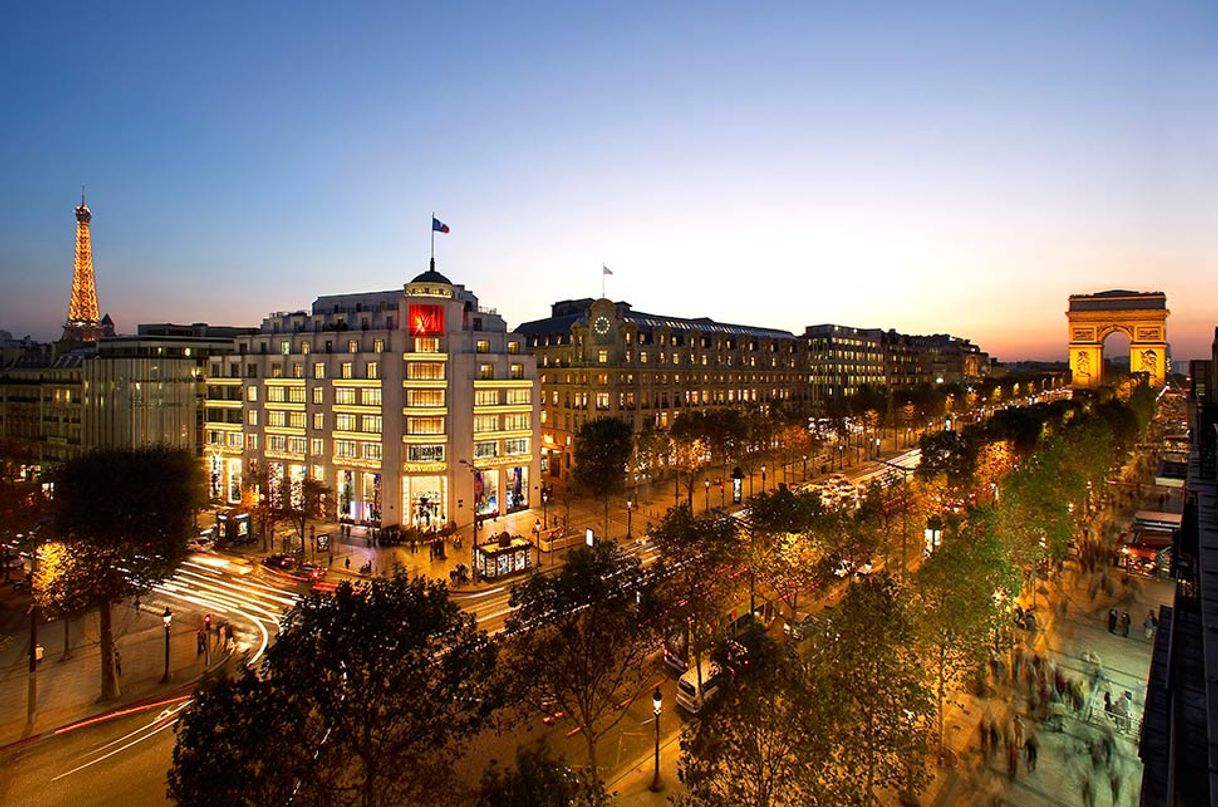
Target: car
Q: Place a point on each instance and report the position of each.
(313, 571)
(284, 563)
(690, 697)
(843, 568)
(201, 545)
(801, 628)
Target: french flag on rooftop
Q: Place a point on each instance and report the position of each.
(438, 226)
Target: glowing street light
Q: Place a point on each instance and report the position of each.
(657, 704)
(167, 618)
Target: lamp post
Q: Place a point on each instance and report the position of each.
(805, 467)
(932, 534)
(706, 485)
(167, 618)
(877, 448)
(629, 518)
(545, 502)
(657, 703)
(763, 479)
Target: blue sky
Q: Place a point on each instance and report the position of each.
(920, 166)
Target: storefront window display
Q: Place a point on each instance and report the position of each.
(214, 470)
(424, 499)
(372, 498)
(346, 493)
(486, 493)
(517, 491)
(234, 480)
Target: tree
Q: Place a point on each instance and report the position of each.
(782, 552)
(956, 607)
(537, 781)
(307, 503)
(867, 655)
(374, 693)
(697, 555)
(579, 638)
(603, 448)
(263, 494)
(767, 740)
(60, 585)
(125, 518)
(690, 448)
(952, 454)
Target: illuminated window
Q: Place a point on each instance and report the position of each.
(347, 369)
(297, 370)
(426, 397)
(642, 357)
(319, 395)
(425, 425)
(372, 451)
(276, 418)
(378, 345)
(486, 449)
(425, 453)
(276, 394)
(602, 400)
(517, 371)
(251, 393)
(372, 370)
(486, 371)
(371, 424)
(344, 423)
(277, 442)
(319, 369)
(276, 371)
(602, 379)
(251, 442)
(346, 449)
(305, 347)
(296, 420)
(486, 423)
(251, 417)
(482, 346)
(486, 397)
(319, 421)
(296, 394)
(344, 396)
(602, 356)
(285, 347)
(296, 445)
(353, 346)
(516, 445)
(513, 347)
(515, 423)
(427, 344)
(425, 371)
(516, 397)
(371, 396)
(317, 446)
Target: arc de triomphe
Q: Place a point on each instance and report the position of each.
(1140, 315)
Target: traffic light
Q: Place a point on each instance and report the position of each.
(207, 622)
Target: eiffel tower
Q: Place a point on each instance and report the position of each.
(84, 323)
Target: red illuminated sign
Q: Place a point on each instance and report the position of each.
(427, 320)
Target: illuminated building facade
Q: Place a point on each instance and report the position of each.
(415, 406)
(842, 359)
(599, 358)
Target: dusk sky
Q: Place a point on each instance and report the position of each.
(921, 167)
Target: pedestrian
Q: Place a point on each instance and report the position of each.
(1148, 625)
(118, 663)
(200, 641)
(1125, 620)
(1112, 620)
(347, 563)
(1030, 751)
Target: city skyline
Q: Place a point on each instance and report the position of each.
(979, 173)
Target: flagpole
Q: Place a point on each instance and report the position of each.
(602, 279)
(433, 239)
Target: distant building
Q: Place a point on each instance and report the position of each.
(600, 358)
(841, 359)
(912, 361)
(415, 405)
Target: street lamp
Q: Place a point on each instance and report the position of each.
(932, 534)
(763, 479)
(657, 703)
(545, 501)
(805, 467)
(706, 484)
(167, 618)
(629, 518)
(877, 448)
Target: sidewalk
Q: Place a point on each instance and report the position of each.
(68, 690)
(1076, 624)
